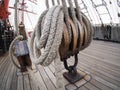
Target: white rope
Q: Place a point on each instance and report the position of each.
(46, 29)
(47, 4)
(78, 11)
(48, 36)
(52, 42)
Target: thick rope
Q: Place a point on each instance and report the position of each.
(43, 57)
(54, 45)
(78, 11)
(51, 50)
(47, 4)
(65, 10)
(53, 2)
(58, 2)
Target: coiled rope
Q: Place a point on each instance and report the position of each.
(48, 38)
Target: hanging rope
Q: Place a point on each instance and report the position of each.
(16, 18)
(65, 10)
(53, 41)
(30, 20)
(58, 2)
(78, 11)
(47, 4)
(53, 2)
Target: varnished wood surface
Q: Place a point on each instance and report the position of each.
(101, 60)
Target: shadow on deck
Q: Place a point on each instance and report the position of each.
(101, 60)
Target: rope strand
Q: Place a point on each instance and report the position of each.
(65, 10)
(47, 4)
(78, 10)
(58, 2)
(53, 2)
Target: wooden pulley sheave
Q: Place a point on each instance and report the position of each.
(79, 40)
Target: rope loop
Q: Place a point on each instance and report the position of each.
(44, 50)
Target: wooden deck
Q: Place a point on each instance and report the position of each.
(101, 60)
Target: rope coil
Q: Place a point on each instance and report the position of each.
(49, 35)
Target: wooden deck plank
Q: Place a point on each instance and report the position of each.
(101, 68)
(47, 81)
(101, 53)
(104, 50)
(70, 87)
(100, 59)
(26, 82)
(9, 80)
(2, 59)
(110, 44)
(104, 57)
(4, 81)
(50, 75)
(83, 88)
(20, 83)
(40, 83)
(91, 87)
(95, 74)
(2, 66)
(14, 80)
(3, 71)
(100, 85)
(32, 84)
